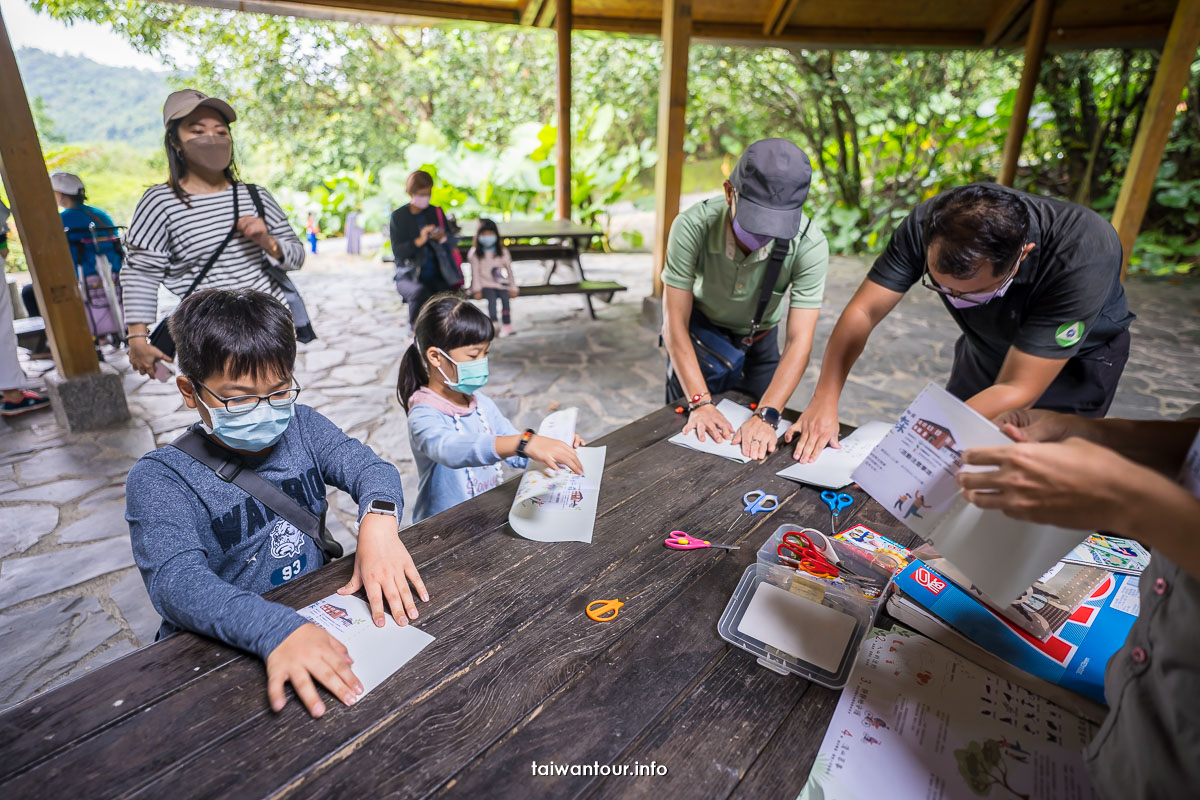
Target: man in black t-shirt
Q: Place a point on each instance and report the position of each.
(1033, 283)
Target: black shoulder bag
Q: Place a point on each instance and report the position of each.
(160, 337)
(230, 468)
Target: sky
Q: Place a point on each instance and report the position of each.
(27, 28)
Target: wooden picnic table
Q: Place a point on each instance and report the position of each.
(517, 674)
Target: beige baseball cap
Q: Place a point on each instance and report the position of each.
(185, 101)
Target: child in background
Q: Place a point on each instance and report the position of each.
(207, 549)
(491, 273)
(312, 230)
(459, 437)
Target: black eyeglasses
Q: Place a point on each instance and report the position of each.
(245, 403)
(929, 283)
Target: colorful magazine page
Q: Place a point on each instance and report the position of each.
(1112, 553)
(537, 482)
(912, 474)
(917, 720)
(1073, 656)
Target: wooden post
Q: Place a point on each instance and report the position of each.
(672, 108)
(40, 226)
(1035, 45)
(562, 171)
(1173, 68)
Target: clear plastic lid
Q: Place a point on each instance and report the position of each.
(794, 625)
(862, 571)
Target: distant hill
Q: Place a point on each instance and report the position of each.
(91, 102)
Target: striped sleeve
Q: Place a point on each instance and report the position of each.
(148, 257)
(279, 227)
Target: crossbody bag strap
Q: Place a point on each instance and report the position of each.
(212, 259)
(256, 198)
(230, 468)
(774, 267)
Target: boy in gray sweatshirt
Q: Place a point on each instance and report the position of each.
(207, 549)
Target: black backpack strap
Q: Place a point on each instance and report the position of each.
(230, 468)
(256, 198)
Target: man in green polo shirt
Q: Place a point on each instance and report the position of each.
(718, 262)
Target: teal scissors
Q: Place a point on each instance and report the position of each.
(836, 503)
(756, 501)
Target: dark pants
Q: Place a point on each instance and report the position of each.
(1085, 386)
(418, 300)
(761, 360)
(29, 300)
(492, 296)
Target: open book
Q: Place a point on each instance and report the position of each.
(835, 466)
(912, 474)
(737, 415)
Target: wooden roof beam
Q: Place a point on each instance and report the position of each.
(1003, 21)
(778, 15)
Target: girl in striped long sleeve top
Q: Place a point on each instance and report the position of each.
(179, 224)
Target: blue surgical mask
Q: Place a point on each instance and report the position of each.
(752, 240)
(252, 432)
(488, 240)
(472, 375)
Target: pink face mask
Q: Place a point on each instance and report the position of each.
(975, 300)
(419, 201)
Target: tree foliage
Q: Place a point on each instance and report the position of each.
(319, 101)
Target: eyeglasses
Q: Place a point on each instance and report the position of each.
(929, 283)
(245, 403)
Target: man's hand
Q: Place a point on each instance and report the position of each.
(817, 427)
(756, 437)
(707, 420)
(310, 652)
(1038, 425)
(383, 566)
(1073, 483)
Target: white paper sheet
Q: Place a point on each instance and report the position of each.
(911, 473)
(736, 414)
(834, 467)
(567, 513)
(799, 627)
(534, 483)
(377, 652)
(916, 720)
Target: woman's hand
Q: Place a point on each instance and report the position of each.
(706, 420)
(477, 295)
(817, 426)
(310, 652)
(143, 355)
(255, 229)
(439, 234)
(553, 453)
(757, 438)
(423, 237)
(384, 568)
(513, 291)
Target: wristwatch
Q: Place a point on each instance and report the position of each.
(521, 445)
(383, 507)
(769, 415)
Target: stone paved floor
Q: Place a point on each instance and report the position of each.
(70, 598)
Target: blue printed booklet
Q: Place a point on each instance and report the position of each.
(1072, 656)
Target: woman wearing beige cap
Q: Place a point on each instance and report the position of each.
(202, 228)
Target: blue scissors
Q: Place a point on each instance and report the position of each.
(836, 503)
(756, 501)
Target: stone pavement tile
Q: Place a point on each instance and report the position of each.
(22, 579)
(175, 421)
(134, 440)
(41, 644)
(321, 360)
(130, 595)
(113, 494)
(104, 523)
(58, 492)
(21, 526)
(390, 439)
(58, 462)
(341, 533)
(349, 414)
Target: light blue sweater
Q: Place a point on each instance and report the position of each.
(455, 450)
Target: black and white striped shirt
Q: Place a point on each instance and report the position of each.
(169, 241)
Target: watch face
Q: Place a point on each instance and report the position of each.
(769, 415)
(386, 506)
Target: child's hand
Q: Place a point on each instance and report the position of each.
(478, 295)
(513, 291)
(310, 652)
(553, 453)
(383, 565)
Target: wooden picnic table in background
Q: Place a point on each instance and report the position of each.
(517, 674)
(549, 240)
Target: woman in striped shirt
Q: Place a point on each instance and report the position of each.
(178, 225)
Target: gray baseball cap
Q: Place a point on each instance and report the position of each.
(771, 179)
(66, 183)
(185, 101)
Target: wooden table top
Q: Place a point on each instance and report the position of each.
(533, 229)
(518, 674)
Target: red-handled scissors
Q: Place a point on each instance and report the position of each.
(800, 547)
(678, 540)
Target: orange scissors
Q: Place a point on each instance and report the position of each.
(799, 548)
